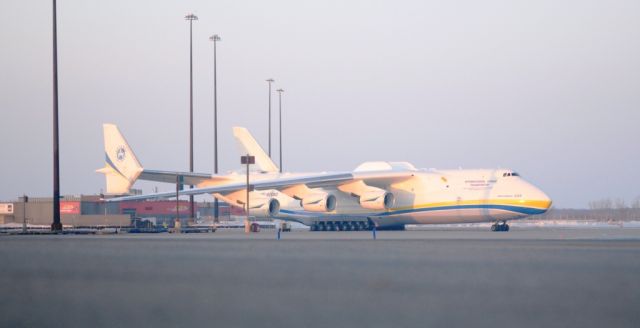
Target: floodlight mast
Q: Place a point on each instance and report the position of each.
(57, 224)
(191, 17)
(215, 38)
(280, 91)
(270, 80)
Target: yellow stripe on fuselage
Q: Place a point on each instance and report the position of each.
(540, 204)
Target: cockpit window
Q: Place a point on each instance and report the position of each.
(515, 174)
(510, 174)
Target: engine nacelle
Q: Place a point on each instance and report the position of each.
(260, 206)
(319, 202)
(377, 200)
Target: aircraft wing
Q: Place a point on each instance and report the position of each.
(322, 180)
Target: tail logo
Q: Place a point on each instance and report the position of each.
(121, 153)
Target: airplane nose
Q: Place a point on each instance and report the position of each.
(546, 199)
(539, 196)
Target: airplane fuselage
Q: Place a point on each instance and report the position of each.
(375, 194)
(427, 197)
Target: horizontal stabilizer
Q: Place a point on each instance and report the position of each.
(186, 178)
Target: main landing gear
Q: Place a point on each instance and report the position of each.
(500, 225)
(340, 226)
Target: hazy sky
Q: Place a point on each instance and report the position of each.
(548, 88)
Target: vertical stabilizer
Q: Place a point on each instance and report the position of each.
(248, 145)
(122, 167)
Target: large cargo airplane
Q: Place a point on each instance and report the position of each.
(384, 195)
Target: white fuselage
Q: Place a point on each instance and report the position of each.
(427, 197)
(384, 194)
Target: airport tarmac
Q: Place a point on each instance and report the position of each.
(534, 277)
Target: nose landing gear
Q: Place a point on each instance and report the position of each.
(500, 225)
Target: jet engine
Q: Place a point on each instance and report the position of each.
(319, 202)
(261, 206)
(377, 200)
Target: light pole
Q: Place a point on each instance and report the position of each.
(25, 199)
(280, 91)
(191, 18)
(270, 80)
(215, 38)
(56, 225)
(248, 159)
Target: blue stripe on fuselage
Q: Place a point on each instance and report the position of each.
(511, 208)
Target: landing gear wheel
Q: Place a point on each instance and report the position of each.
(500, 226)
(348, 226)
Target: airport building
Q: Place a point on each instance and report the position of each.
(92, 210)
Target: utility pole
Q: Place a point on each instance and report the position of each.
(280, 91)
(56, 225)
(191, 18)
(215, 38)
(270, 81)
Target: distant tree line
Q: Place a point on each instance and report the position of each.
(605, 209)
(618, 203)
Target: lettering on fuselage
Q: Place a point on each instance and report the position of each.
(510, 196)
(478, 184)
(270, 194)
